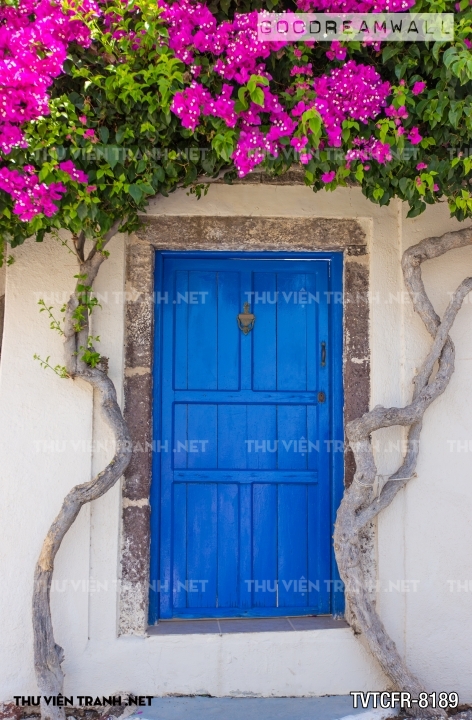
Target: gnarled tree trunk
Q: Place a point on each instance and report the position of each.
(48, 656)
(360, 505)
(357, 509)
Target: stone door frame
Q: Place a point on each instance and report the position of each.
(237, 233)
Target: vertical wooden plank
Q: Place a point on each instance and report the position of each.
(232, 434)
(202, 330)
(180, 442)
(179, 574)
(228, 331)
(319, 552)
(264, 546)
(166, 455)
(322, 543)
(246, 341)
(262, 437)
(317, 300)
(264, 306)
(337, 404)
(291, 332)
(228, 545)
(180, 328)
(202, 516)
(202, 436)
(245, 545)
(292, 544)
(291, 429)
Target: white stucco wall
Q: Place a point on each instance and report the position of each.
(51, 439)
(2, 279)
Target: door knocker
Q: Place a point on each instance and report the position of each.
(246, 320)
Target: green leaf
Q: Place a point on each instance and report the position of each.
(104, 134)
(82, 211)
(242, 98)
(416, 209)
(147, 188)
(136, 193)
(257, 97)
(449, 56)
(389, 52)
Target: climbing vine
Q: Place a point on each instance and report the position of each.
(106, 103)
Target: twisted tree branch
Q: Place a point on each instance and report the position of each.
(359, 505)
(48, 655)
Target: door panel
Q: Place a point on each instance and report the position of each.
(246, 474)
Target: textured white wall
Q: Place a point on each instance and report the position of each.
(2, 279)
(51, 439)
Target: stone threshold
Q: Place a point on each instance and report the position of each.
(224, 626)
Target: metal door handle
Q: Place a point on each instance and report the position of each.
(323, 354)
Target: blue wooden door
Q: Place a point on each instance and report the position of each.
(244, 485)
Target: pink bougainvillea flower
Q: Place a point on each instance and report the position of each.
(418, 88)
(34, 38)
(83, 119)
(355, 6)
(298, 143)
(414, 136)
(302, 70)
(299, 109)
(421, 166)
(399, 113)
(336, 51)
(369, 149)
(351, 92)
(467, 43)
(75, 174)
(328, 177)
(31, 197)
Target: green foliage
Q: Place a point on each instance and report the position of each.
(60, 370)
(138, 148)
(54, 324)
(89, 355)
(122, 92)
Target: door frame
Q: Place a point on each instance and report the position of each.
(237, 232)
(336, 400)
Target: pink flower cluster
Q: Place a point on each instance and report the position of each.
(193, 29)
(196, 100)
(34, 36)
(238, 54)
(30, 195)
(355, 6)
(74, 173)
(352, 91)
(369, 149)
